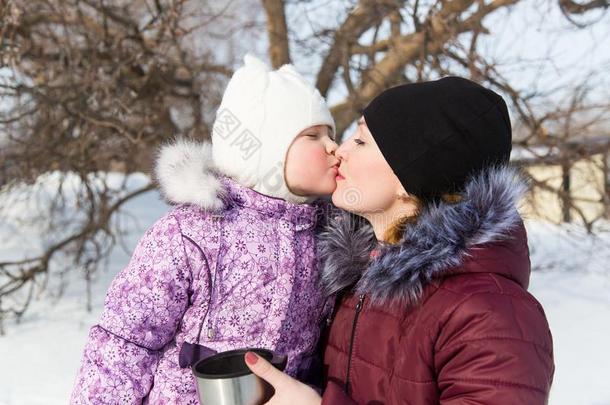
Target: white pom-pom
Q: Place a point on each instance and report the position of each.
(252, 62)
(185, 172)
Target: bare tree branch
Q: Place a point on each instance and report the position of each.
(440, 29)
(365, 15)
(277, 31)
(572, 7)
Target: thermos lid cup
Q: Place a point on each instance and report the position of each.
(232, 364)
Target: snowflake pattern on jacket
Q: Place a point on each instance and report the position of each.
(241, 276)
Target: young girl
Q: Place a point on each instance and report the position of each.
(233, 264)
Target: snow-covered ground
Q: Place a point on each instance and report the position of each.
(40, 356)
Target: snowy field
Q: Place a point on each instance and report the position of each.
(40, 356)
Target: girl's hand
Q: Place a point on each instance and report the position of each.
(288, 391)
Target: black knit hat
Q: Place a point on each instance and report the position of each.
(436, 134)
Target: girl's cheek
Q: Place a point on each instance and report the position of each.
(316, 154)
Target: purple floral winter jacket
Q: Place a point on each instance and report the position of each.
(233, 268)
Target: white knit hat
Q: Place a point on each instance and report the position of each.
(261, 113)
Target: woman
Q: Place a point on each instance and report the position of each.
(432, 304)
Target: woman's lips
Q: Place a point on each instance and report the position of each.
(338, 175)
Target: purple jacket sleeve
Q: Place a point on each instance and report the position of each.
(142, 310)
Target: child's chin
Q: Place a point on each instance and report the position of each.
(328, 188)
(324, 188)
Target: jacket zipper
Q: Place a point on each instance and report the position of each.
(359, 306)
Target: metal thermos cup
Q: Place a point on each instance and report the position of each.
(225, 379)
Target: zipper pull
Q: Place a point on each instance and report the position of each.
(360, 302)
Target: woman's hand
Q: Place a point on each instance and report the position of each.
(288, 391)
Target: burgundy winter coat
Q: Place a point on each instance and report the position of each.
(443, 317)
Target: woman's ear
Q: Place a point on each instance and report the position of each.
(403, 196)
(401, 193)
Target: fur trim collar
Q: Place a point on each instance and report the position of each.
(186, 173)
(439, 242)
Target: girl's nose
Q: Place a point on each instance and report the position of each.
(331, 147)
